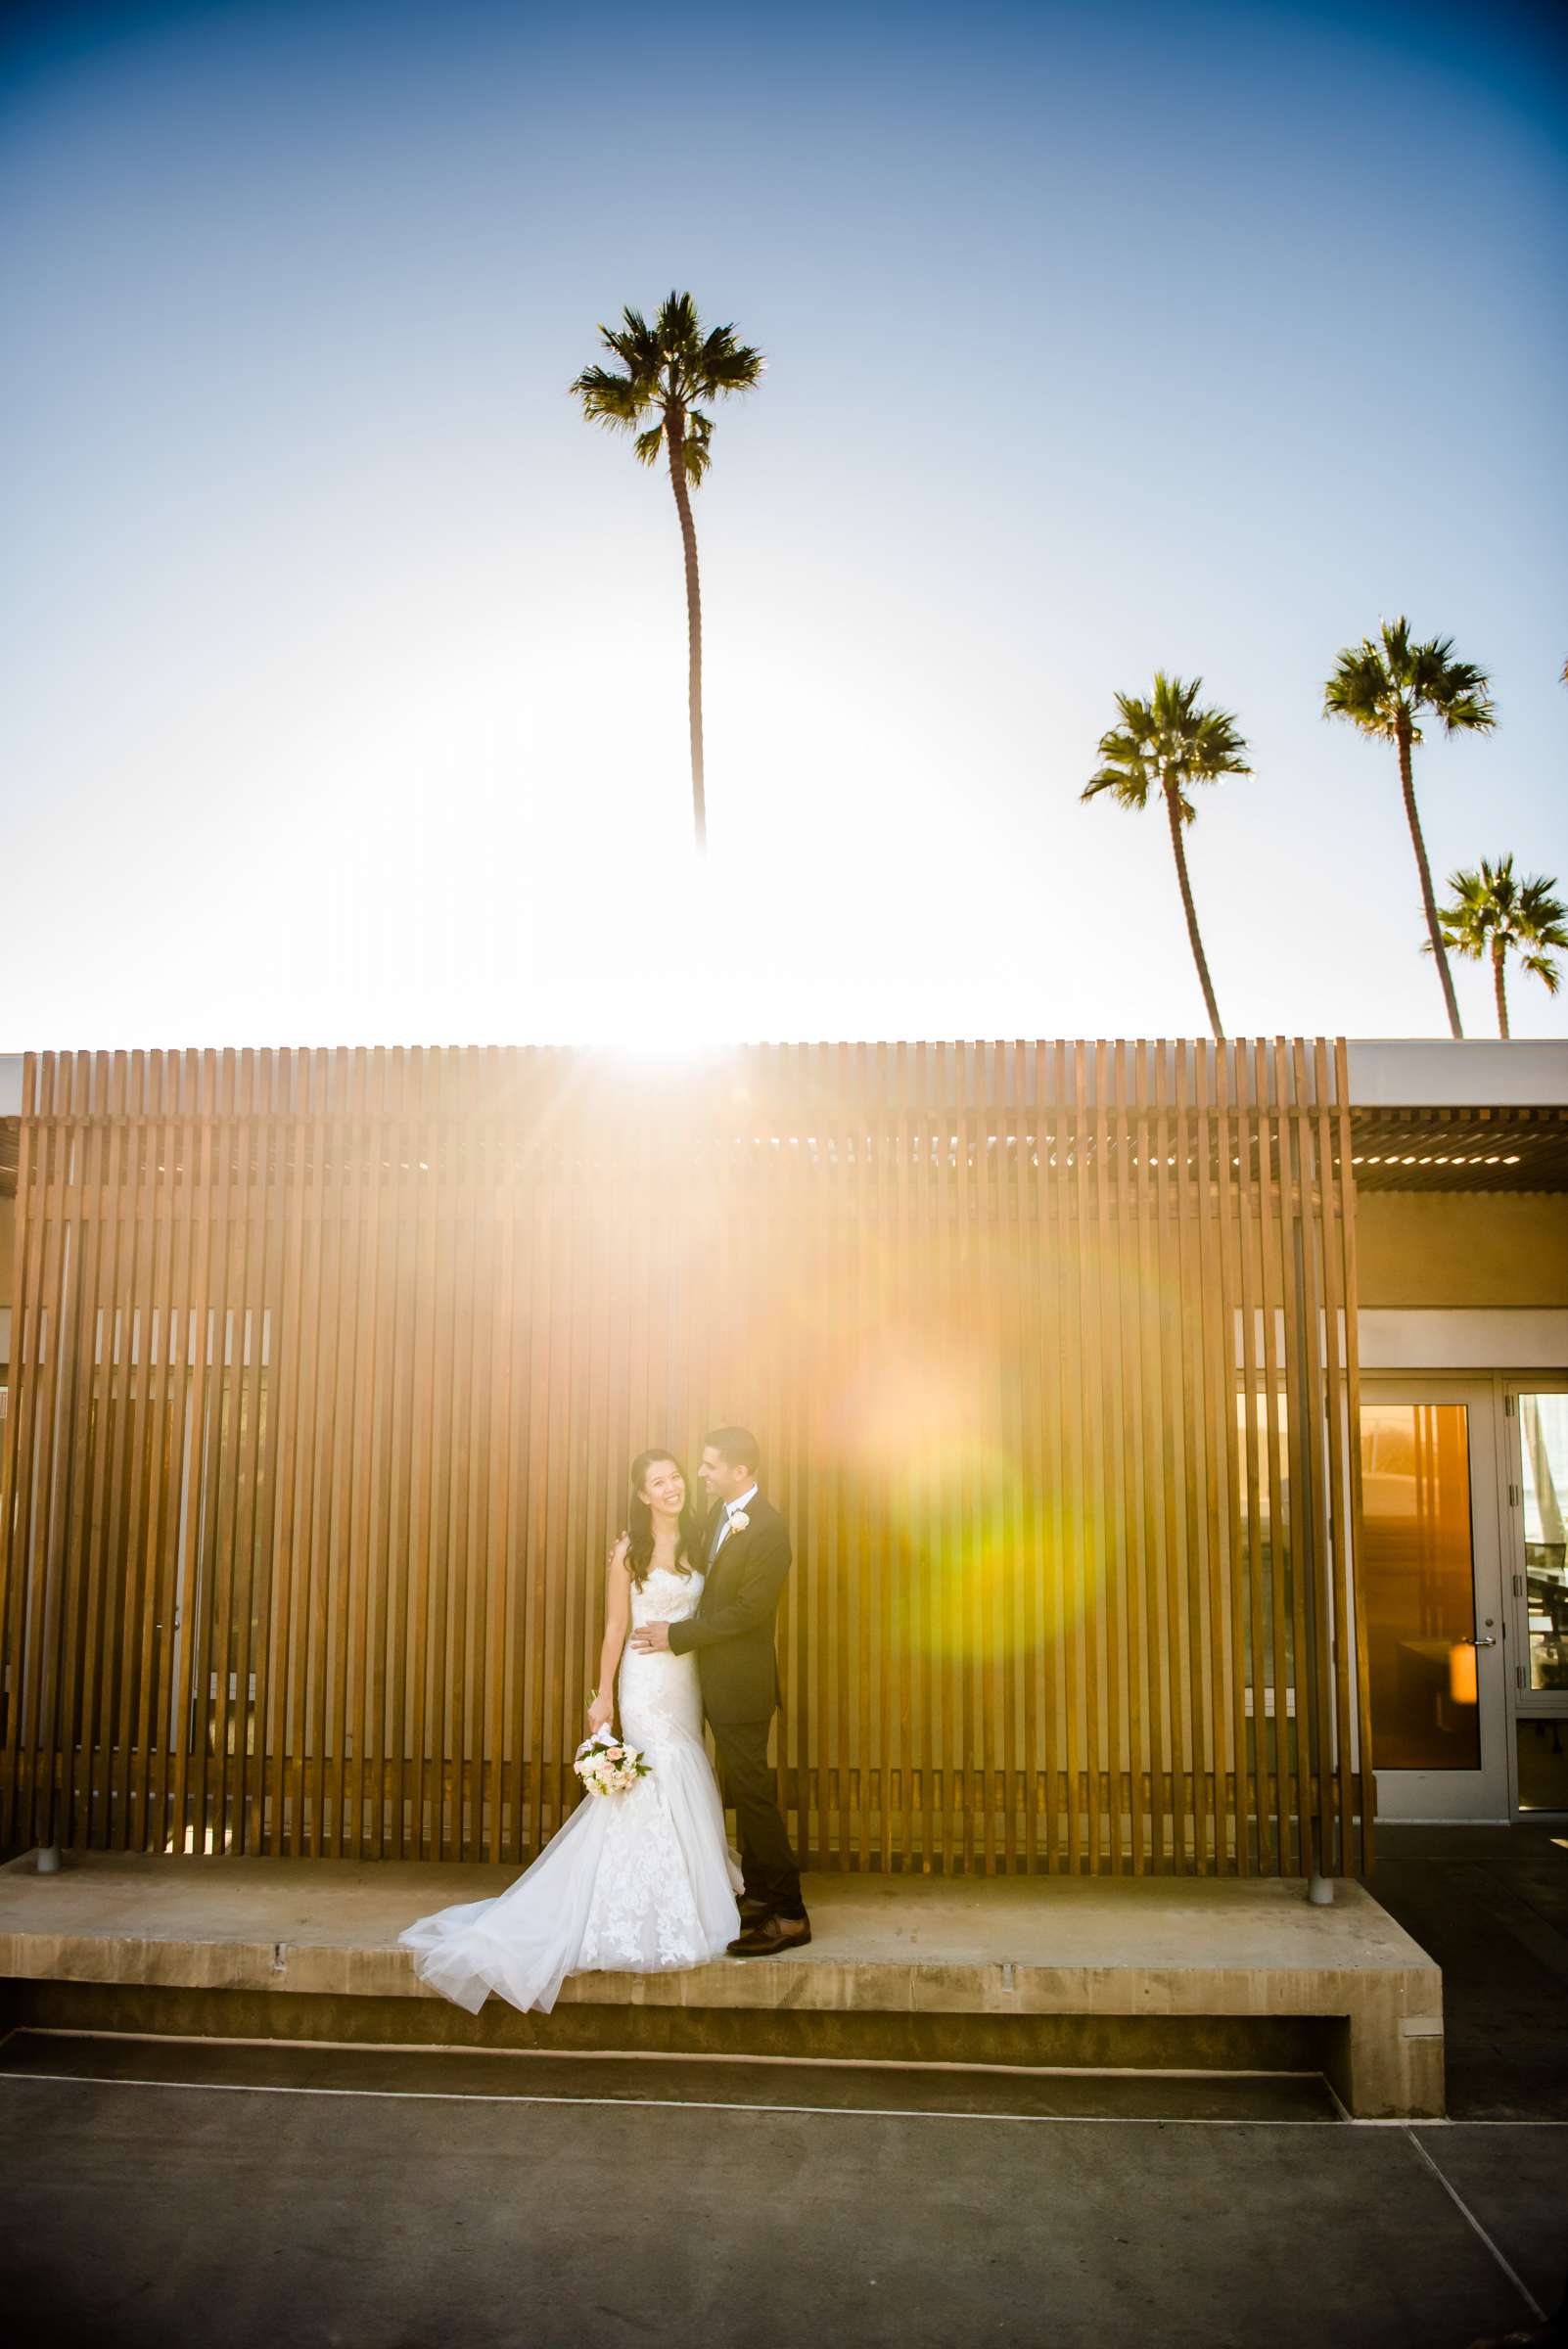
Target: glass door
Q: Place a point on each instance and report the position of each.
(1536, 1522)
(1431, 1587)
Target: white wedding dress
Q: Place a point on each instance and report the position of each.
(640, 1882)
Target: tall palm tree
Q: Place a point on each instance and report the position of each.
(1493, 914)
(667, 368)
(1166, 745)
(1382, 687)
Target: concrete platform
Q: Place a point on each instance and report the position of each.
(1150, 1973)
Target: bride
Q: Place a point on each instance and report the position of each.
(639, 1882)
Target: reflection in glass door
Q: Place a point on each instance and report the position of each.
(1540, 1499)
(1428, 1556)
(1420, 1586)
(1544, 1444)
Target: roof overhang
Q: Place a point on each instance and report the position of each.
(1428, 1115)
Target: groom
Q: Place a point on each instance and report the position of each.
(733, 1632)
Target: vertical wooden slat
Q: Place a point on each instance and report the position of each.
(1164, 1363)
(1149, 1439)
(541, 1258)
(1287, 1742)
(1215, 1390)
(276, 1717)
(862, 1238)
(1022, 1532)
(254, 1523)
(363, 1564)
(1129, 1395)
(1331, 1170)
(139, 1176)
(222, 1726)
(45, 1532)
(834, 1133)
(976, 1762)
(1298, 1451)
(147, 1515)
(515, 1777)
(1092, 1440)
(1356, 1595)
(1194, 1478)
(500, 1461)
(15, 1482)
(83, 1433)
(167, 1339)
(209, 1699)
(1249, 1214)
(1243, 1804)
(917, 1214)
(1314, 1432)
(1111, 1493)
(897, 1623)
(1073, 1537)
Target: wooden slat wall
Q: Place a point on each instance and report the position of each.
(328, 1366)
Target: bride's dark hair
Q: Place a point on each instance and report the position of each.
(639, 1522)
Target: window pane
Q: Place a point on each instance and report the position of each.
(1544, 1444)
(1542, 1765)
(1419, 1585)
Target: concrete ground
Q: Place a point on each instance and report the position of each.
(238, 2194)
(1491, 1904)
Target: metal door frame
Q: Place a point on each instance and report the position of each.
(1485, 1796)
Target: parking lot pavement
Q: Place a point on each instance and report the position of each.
(343, 2204)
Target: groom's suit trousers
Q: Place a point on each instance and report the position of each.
(766, 1862)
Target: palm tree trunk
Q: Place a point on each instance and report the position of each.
(675, 442)
(1499, 949)
(1428, 900)
(1174, 812)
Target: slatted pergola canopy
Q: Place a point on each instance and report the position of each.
(1474, 1149)
(327, 1367)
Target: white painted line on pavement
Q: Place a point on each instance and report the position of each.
(854, 2112)
(675, 2055)
(1466, 2212)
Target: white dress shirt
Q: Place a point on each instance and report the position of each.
(731, 1510)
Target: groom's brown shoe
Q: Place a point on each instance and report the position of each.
(772, 1937)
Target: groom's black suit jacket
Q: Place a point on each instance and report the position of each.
(732, 1630)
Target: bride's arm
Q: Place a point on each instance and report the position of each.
(616, 1624)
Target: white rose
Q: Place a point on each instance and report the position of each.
(739, 1521)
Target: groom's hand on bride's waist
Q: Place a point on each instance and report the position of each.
(653, 1639)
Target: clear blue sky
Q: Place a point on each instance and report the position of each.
(344, 691)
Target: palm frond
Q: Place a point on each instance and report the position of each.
(1362, 689)
(698, 455)
(669, 367)
(1381, 685)
(1467, 713)
(1492, 908)
(612, 399)
(724, 366)
(1166, 744)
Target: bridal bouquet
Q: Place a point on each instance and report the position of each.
(607, 1765)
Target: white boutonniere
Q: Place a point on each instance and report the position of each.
(739, 1521)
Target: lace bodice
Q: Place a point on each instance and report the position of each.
(666, 1596)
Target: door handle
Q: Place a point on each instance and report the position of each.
(1491, 1641)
